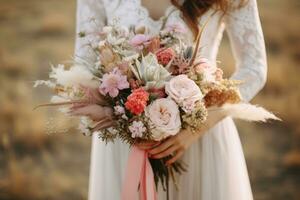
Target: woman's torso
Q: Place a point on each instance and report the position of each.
(134, 13)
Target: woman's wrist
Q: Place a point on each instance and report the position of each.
(213, 118)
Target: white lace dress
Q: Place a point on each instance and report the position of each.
(217, 169)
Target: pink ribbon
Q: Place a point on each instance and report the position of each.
(138, 177)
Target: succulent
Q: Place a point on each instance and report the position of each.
(149, 71)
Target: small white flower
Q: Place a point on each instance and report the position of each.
(119, 110)
(112, 130)
(75, 76)
(137, 129)
(102, 43)
(84, 125)
(124, 117)
(42, 82)
(106, 29)
(189, 105)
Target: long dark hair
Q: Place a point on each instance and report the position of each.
(192, 10)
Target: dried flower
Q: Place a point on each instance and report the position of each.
(140, 29)
(137, 101)
(124, 67)
(76, 76)
(218, 97)
(93, 111)
(112, 82)
(154, 45)
(107, 57)
(197, 117)
(180, 65)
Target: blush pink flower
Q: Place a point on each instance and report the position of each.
(184, 92)
(139, 41)
(202, 65)
(206, 69)
(119, 110)
(137, 101)
(112, 82)
(164, 56)
(137, 129)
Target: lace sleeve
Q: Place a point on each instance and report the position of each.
(247, 42)
(91, 18)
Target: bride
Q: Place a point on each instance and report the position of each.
(216, 164)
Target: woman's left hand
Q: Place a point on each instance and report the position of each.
(175, 145)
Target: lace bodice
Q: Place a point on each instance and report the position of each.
(242, 26)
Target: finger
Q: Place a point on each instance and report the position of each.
(148, 146)
(147, 143)
(163, 146)
(145, 146)
(106, 123)
(165, 153)
(175, 158)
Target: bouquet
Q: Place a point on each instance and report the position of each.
(146, 87)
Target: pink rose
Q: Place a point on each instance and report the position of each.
(164, 118)
(184, 92)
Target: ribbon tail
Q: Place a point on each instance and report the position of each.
(138, 176)
(150, 188)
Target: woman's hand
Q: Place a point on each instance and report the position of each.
(175, 145)
(178, 144)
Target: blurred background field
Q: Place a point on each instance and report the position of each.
(43, 157)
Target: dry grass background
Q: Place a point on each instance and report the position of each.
(43, 157)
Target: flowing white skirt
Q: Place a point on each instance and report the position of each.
(216, 168)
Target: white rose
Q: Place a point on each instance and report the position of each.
(184, 92)
(164, 118)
